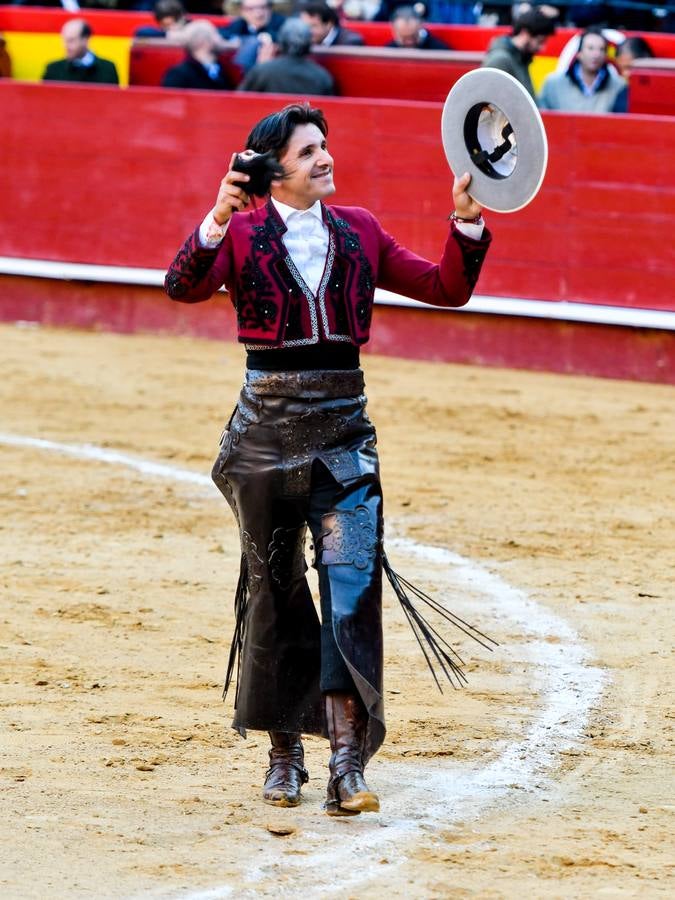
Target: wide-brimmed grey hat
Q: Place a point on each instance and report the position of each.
(492, 129)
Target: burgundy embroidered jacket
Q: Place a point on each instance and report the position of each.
(274, 306)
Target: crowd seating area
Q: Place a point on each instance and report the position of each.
(358, 71)
(33, 39)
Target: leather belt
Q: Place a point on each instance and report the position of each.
(321, 384)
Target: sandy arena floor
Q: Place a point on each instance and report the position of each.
(549, 775)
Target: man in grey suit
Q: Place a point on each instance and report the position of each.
(291, 72)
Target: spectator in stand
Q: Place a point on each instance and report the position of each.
(590, 84)
(324, 24)
(5, 61)
(257, 17)
(80, 63)
(200, 69)
(290, 72)
(256, 29)
(387, 8)
(628, 51)
(410, 33)
(171, 18)
(513, 54)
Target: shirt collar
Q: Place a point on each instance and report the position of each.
(286, 211)
(331, 37)
(85, 61)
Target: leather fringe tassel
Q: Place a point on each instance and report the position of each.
(240, 607)
(437, 652)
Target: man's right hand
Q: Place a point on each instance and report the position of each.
(231, 197)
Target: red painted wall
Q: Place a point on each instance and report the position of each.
(120, 177)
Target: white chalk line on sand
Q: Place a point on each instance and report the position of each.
(423, 795)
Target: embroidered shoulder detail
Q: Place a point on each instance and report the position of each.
(263, 235)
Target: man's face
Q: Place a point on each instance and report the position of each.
(318, 28)
(256, 13)
(75, 45)
(406, 32)
(593, 53)
(166, 23)
(535, 43)
(309, 167)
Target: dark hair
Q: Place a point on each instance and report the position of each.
(406, 13)
(165, 8)
(294, 38)
(638, 46)
(535, 22)
(593, 30)
(324, 12)
(86, 31)
(274, 131)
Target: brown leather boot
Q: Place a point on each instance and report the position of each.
(348, 794)
(287, 773)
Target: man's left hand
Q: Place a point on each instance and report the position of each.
(465, 206)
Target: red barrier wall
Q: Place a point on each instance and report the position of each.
(120, 177)
(358, 72)
(443, 335)
(652, 87)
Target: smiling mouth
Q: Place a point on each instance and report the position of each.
(327, 174)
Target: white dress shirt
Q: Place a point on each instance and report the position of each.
(306, 238)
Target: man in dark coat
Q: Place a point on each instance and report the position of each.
(200, 69)
(171, 18)
(299, 449)
(256, 29)
(80, 63)
(410, 33)
(514, 53)
(324, 23)
(291, 72)
(257, 17)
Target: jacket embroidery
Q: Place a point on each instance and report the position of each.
(190, 266)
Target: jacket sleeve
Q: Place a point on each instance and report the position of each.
(448, 283)
(197, 272)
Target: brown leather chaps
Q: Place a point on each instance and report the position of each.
(299, 453)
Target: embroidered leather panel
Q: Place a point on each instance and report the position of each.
(302, 439)
(286, 554)
(254, 563)
(341, 465)
(350, 538)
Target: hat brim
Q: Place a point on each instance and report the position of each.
(492, 87)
